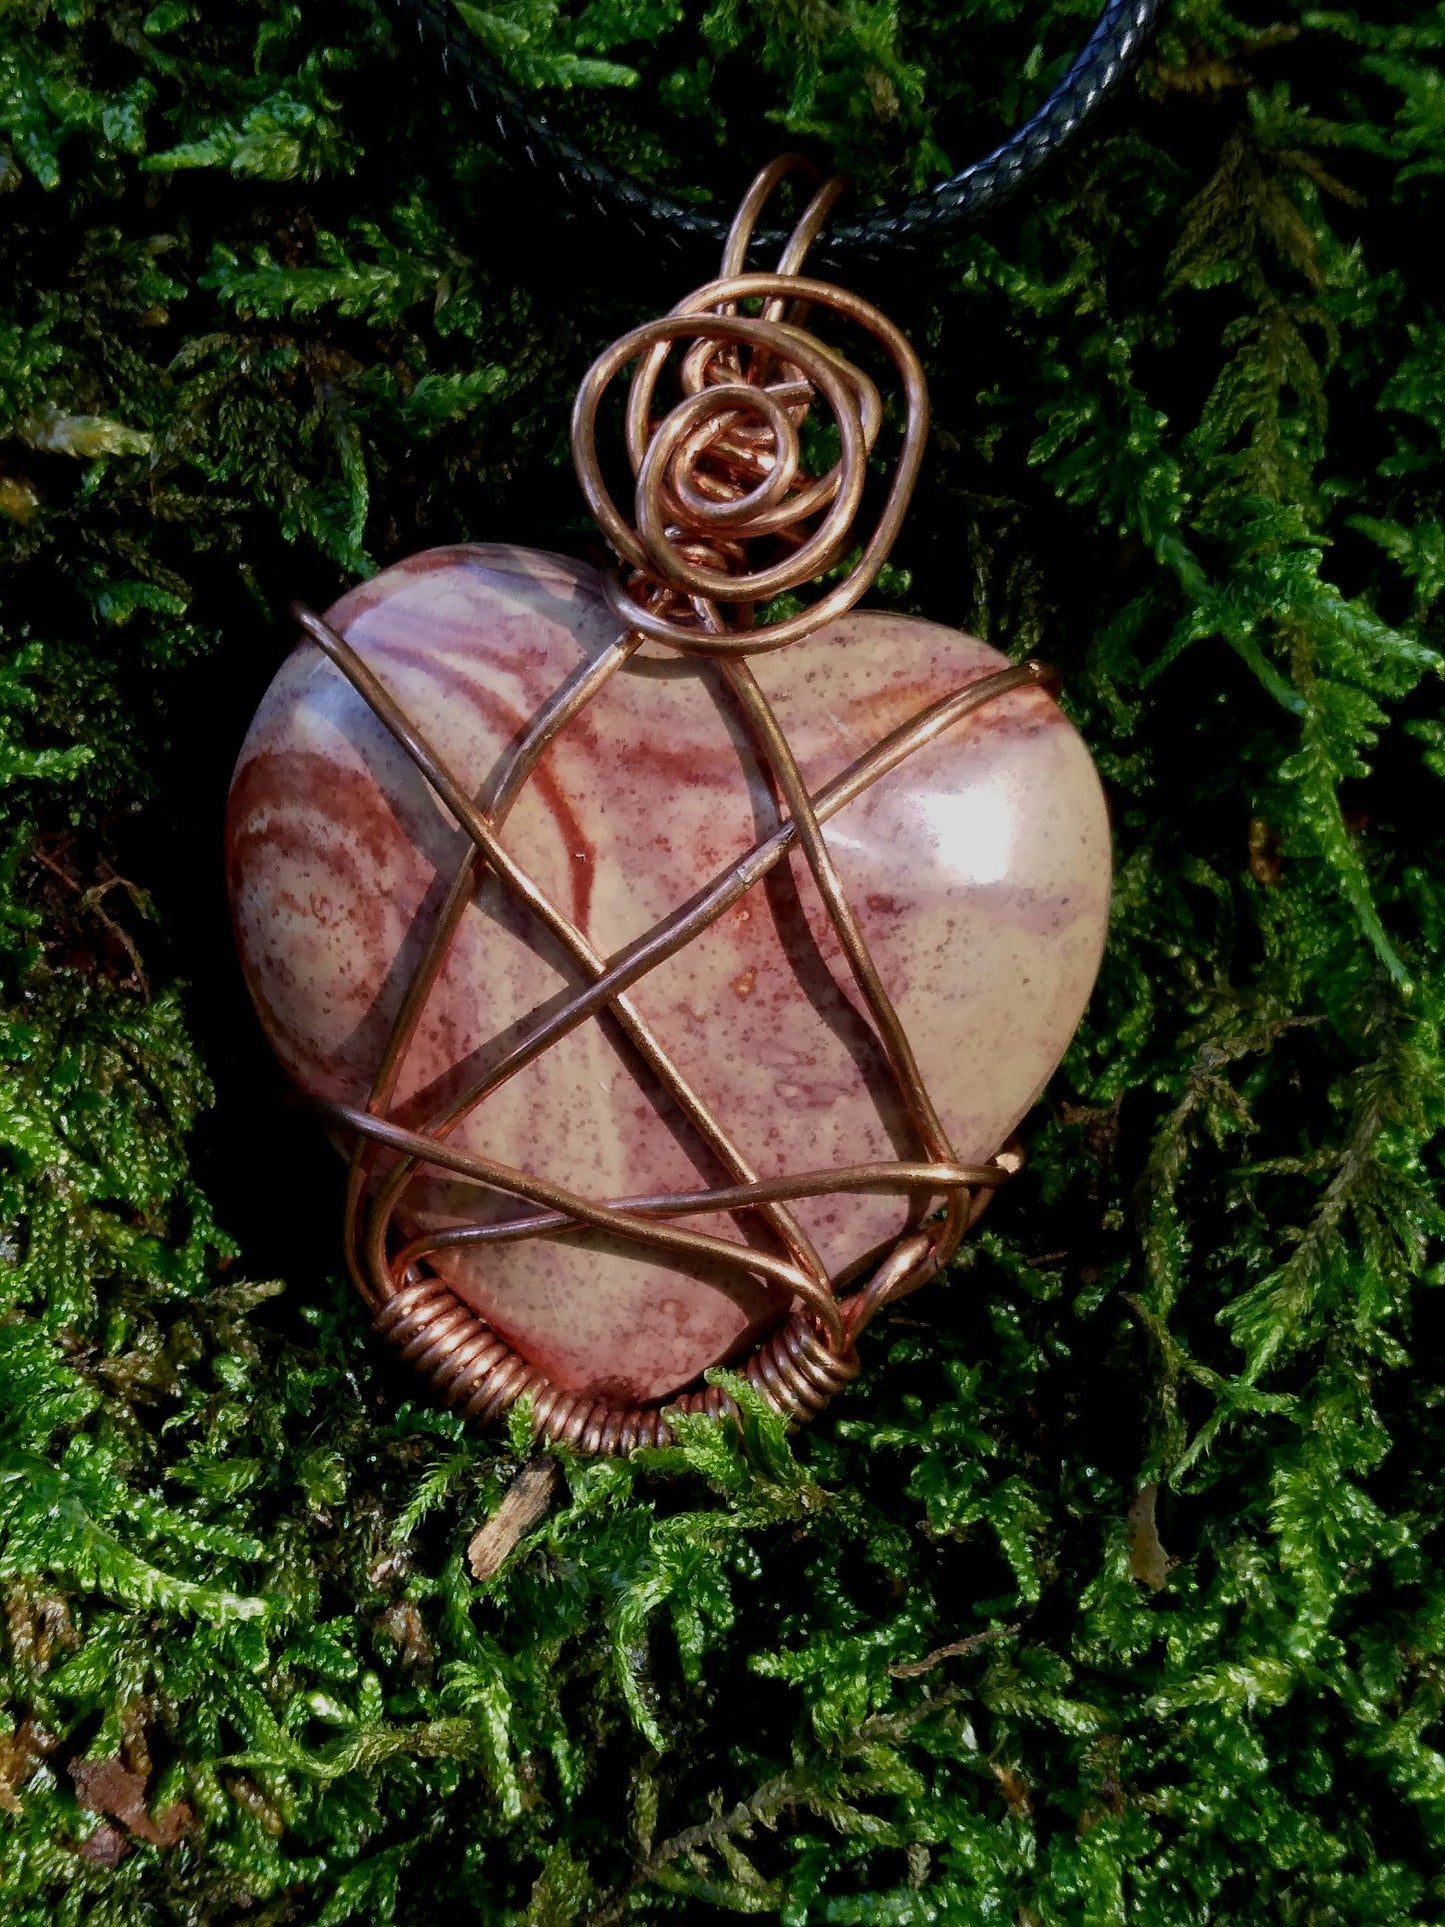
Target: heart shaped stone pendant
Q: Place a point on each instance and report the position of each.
(672, 976)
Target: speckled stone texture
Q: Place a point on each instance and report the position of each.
(979, 869)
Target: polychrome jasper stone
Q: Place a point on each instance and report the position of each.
(979, 869)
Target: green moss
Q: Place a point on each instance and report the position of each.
(1113, 1591)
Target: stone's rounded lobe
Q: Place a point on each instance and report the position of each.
(979, 869)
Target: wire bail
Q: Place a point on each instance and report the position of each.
(726, 516)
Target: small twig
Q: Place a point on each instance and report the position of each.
(92, 901)
(911, 1668)
(525, 1503)
(42, 855)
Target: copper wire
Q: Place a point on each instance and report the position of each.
(726, 518)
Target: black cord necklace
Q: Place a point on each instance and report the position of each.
(1109, 55)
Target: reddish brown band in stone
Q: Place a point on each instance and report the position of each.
(726, 518)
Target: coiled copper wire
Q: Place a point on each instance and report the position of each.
(726, 519)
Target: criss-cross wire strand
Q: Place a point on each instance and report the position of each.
(725, 517)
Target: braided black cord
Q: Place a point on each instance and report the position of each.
(1108, 57)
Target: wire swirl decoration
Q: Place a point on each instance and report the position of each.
(727, 518)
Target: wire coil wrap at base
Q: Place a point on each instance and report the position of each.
(478, 1375)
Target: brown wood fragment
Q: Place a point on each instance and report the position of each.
(1013, 1786)
(1148, 1560)
(110, 1788)
(525, 1503)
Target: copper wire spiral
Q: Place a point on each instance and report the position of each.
(726, 520)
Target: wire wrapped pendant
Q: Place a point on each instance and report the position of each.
(535, 894)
